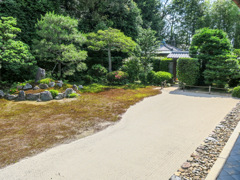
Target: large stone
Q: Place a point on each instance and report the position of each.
(59, 84)
(11, 97)
(21, 96)
(46, 96)
(43, 86)
(174, 177)
(68, 91)
(36, 88)
(51, 84)
(1, 94)
(27, 86)
(59, 96)
(75, 88)
(80, 86)
(40, 74)
(186, 165)
(33, 97)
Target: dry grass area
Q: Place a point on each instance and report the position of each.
(29, 128)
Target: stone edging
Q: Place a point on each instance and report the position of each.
(202, 160)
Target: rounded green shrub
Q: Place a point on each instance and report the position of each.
(117, 77)
(157, 78)
(54, 93)
(73, 95)
(45, 81)
(98, 70)
(236, 92)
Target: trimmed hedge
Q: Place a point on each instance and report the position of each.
(157, 78)
(236, 92)
(160, 63)
(188, 70)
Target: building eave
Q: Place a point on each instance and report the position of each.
(237, 2)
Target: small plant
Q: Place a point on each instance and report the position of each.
(117, 77)
(45, 81)
(94, 88)
(157, 78)
(73, 95)
(54, 93)
(236, 92)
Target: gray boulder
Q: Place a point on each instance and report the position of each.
(174, 177)
(59, 96)
(59, 84)
(40, 74)
(39, 100)
(1, 94)
(43, 86)
(68, 91)
(46, 96)
(11, 97)
(21, 96)
(33, 97)
(27, 86)
(60, 81)
(36, 88)
(80, 86)
(51, 84)
(75, 88)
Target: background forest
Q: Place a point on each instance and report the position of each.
(175, 21)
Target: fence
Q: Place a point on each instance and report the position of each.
(209, 88)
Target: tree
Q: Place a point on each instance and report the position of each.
(209, 45)
(12, 51)
(110, 40)
(148, 44)
(59, 43)
(221, 69)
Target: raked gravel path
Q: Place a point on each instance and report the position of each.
(151, 141)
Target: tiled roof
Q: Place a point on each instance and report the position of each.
(179, 54)
(166, 47)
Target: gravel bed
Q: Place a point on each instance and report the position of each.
(203, 158)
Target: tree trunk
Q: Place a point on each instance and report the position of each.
(109, 59)
(59, 70)
(0, 71)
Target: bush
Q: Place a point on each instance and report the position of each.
(98, 70)
(157, 78)
(54, 93)
(236, 92)
(161, 63)
(73, 95)
(45, 81)
(188, 70)
(93, 88)
(117, 77)
(133, 67)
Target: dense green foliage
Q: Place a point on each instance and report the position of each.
(221, 69)
(45, 81)
(160, 63)
(73, 95)
(156, 78)
(110, 40)
(133, 67)
(188, 70)
(207, 45)
(15, 56)
(59, 43)
(117, 77)
(54, 93)
(236, 92)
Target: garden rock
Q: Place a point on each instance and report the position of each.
(40, 74)
(36, 88)
(69, 91)
(21, 96)
(80, 87)
(1, 94)
(46, 96)
(59, 96)
(75, 88)
(59, 84)
(51, 84)
(39, 100)
(43, 86)
(11, 97)
(33, 97)
(27, 86)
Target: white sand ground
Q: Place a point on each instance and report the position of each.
(151, 141)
